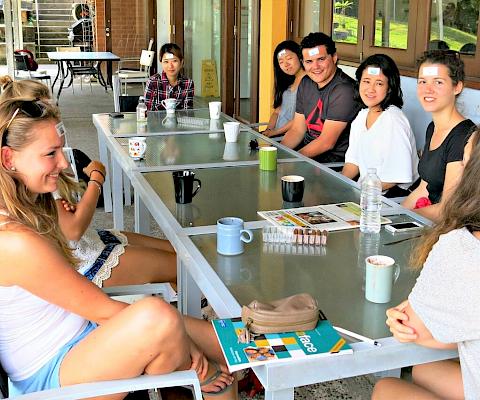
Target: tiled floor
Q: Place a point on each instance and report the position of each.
(76, 112)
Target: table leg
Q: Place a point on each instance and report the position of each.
(107, 187)
(101, 80)
(117, 195)
(285, 394)
(58, 73)
(116, 92)
(109, 73)
(127, 194)
(62, 79)
(142, 216)
(189, 295)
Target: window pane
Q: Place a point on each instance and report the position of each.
(454, 25)
(391, 23)
(309, 17)
(345, 21)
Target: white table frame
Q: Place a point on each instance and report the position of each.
(195, 276)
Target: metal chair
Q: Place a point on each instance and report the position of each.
(22, 64)
(143, 72)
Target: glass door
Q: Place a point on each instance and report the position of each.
(202, 46)
(246, 54)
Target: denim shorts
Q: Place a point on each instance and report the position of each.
(47, 377)
(110, 241)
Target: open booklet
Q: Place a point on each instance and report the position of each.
(323, 341)
(330, 217)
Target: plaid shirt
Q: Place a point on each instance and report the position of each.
(158, 88)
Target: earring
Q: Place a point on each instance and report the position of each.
(13, 169)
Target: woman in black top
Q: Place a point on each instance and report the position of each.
(440, 81)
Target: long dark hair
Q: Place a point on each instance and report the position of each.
(282, 80)
(390, 70)
(462, 209)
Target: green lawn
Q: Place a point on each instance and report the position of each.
(346, 32)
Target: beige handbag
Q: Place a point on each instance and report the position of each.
(295, 313)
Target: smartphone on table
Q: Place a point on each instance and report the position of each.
(401, 227)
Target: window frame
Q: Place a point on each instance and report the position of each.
(419, 24)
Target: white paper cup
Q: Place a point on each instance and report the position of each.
(215, 107)
(232, 130)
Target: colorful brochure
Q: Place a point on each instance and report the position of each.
(323, 341)
(330, 217)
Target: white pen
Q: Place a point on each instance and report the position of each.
(357, 336)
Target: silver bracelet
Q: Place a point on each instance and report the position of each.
(97, 184)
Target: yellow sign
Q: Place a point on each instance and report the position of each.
(209, 79)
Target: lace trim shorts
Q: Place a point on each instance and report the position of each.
(47, 377)
(101, 268)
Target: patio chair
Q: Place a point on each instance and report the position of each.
(137, 75)
(25, 61)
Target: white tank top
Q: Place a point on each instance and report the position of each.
(32, 330)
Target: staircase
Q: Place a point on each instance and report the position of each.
(54, 17)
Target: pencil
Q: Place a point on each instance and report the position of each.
(357, 336)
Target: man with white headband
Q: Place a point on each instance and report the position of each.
(325, 105)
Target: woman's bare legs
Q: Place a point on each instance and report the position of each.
(138, 239)
(141, 264)
(202, 334)
(433, 381)
(148, 336)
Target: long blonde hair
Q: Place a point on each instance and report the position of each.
(36, 211)
(462, 209)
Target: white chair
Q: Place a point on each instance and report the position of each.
(142, 74)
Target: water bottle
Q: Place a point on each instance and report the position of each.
(141, 110)
(371, 202)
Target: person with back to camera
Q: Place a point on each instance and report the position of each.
(107, 257)
(380, 135)
(440, 82)
(441, 310)
(58, 328)
(288, 72)
(170, 83)
(325, 106)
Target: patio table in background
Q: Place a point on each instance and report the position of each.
(83, 56)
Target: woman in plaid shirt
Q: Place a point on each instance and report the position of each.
(170, 83)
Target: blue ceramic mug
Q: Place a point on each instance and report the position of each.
(231, 236)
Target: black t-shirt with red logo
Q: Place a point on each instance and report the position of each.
(333, 102)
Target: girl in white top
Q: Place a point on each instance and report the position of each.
(441, 311)
(380, 135)
(107, 257)
(58, 328)
(288, 72)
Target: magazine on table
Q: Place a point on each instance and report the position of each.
(323, 341)
(330, 217)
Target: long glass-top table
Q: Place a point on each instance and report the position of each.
(334, 274)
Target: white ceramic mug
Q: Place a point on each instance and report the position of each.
(381, 274)
(215, 107)
(169, 105)
(137, 146)
(232, 130)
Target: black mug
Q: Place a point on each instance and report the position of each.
(292, 188)
(183, 183)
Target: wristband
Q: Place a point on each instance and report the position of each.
(97, 184)
(100, 172)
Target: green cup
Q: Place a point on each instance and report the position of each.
(268, 158)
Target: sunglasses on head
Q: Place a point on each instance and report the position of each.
(30, 108)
